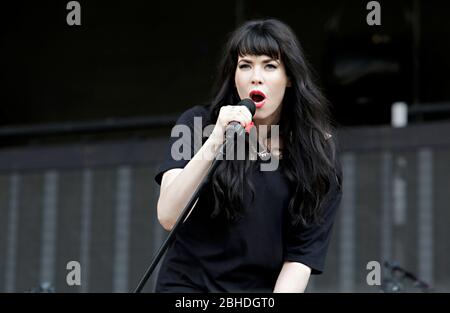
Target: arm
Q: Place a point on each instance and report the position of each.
(293, 277)
(178, 185)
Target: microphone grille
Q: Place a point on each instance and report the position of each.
(249, 104)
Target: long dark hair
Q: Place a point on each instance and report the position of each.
(306, 127)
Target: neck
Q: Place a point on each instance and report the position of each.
(274, 119)
(264, 133)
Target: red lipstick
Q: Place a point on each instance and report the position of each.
(258, 97)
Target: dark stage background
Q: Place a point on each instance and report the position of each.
(85, 112)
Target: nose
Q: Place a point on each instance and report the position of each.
(257, 78)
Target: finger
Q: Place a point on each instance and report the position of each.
(235, 116)
(244, 118)
(247, 113)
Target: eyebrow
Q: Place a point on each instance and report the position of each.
(263, 61)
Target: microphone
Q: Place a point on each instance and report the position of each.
(249, 104)
(236, 127)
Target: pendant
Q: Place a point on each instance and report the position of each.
(264, 154)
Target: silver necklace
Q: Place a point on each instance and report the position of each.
(264, 154)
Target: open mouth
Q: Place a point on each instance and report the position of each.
(257, 96)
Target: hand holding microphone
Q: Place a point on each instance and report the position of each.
(237, 116)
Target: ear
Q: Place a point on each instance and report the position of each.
(289, 84)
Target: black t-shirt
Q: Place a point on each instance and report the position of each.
(243, 255)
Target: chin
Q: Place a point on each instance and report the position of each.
(262, 113)
(260, 118)
(264, 117)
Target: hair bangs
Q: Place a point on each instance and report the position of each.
(256, 42)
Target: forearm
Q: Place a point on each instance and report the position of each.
(177, 192)
(179, 186)
(293, 278)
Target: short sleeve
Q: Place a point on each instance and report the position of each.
(309, 245)
(185, 139)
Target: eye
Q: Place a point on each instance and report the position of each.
(271, 66)
(241, 66)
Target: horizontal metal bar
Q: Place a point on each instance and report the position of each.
(389, 138)
(435, 107)
(84, 155)
(148, 122)
(110, 124)
(139, 151)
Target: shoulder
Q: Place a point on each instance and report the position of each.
(187, 117)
